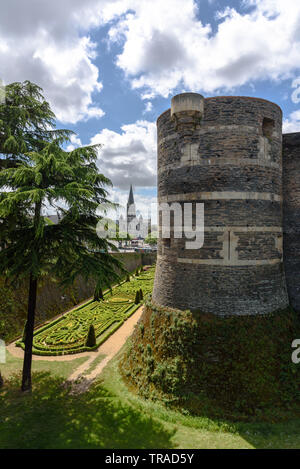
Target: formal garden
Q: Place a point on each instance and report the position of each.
(70, 333)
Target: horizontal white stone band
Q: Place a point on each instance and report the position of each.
(224, 195)
(229, 262)
(223, 262)
(221, 162)
(236, 229)
(248, 129)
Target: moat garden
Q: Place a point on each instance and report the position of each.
(108, 414)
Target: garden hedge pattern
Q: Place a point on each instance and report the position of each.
(68, 334)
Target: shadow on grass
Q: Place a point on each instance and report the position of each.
(52, 418)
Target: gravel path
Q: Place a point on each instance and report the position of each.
(110, 348)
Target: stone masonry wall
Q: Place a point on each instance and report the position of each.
(228, 157)
(291, 216)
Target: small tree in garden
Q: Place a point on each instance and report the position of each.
(141, 295)
(30, 247)
(91, 337)
(137, 297)
(127, 278)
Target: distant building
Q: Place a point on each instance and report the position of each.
(135, 225)
(131, 211)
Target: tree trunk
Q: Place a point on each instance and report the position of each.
(26, 378)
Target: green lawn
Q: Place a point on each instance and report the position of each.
(109, 416)
(14, 365)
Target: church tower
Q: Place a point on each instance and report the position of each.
(131, 212)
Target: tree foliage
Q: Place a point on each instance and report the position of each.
(43, 175)
(26, 123)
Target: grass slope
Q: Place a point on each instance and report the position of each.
(109, 416)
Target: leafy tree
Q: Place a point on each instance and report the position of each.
(26, 123)
(69, 182)
(152, 240)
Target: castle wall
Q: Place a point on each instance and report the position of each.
(291, 216)
(226, 154)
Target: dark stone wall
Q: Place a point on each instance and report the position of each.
(291, 216)
(230, 159)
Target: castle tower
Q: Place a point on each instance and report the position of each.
(291, 216)
(224, 152)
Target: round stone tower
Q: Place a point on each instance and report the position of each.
(225, 153)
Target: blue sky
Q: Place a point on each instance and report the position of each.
(110, 67)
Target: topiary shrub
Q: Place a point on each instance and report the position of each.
(98, 295)
(137, 297)
(235, 367)
(137, 273)
(141, 295)
(128, 278)
(91, 337)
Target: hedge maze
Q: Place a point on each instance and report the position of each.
(68, 334)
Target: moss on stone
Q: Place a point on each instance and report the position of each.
(233, 366)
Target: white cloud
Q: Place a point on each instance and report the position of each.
(75, 143)
(166, 46)
(148, 107)
(296, 93)
(129, 157)
(47, 43)
(292, 124)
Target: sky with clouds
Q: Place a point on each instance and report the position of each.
(110, 67)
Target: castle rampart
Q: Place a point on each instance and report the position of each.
(291, 216)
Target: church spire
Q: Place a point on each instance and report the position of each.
(130, 198)
(131, 212)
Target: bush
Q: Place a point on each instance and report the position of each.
(98, 295)
(91, 337)
(137, 297)
(128, 278)
(141, 295)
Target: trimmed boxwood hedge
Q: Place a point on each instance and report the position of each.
(68, 334)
